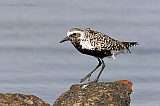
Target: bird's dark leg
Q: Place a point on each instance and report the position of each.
(103, 66)
(89, 74)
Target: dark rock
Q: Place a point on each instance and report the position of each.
(17, 99)
(96, 94)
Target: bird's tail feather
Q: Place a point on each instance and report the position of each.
(130, 44)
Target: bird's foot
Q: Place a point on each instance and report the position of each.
(87, 76)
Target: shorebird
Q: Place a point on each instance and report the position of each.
(97, 44)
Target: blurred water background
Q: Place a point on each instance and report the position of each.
(33, 62)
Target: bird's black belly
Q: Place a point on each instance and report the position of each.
(96, 53)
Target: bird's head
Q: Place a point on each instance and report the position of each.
(72, 35)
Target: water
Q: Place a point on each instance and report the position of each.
(33, 62)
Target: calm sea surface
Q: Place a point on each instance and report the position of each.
(33, 62)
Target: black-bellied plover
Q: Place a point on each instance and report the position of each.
(97, 44)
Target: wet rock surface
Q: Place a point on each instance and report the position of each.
(96, 94)
(91, 94)
(17, 99)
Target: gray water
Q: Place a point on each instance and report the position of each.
(33, 62)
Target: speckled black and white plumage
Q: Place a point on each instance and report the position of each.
(97, 44)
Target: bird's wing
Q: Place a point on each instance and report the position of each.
(103, 42)
(99, 40)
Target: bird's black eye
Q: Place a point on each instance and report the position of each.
(74, 34)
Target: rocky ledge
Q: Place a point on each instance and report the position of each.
(91, 94)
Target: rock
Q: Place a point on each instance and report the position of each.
(91, 94)
(97, 94)
(17, 99)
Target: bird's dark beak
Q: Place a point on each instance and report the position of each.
(64, 39)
